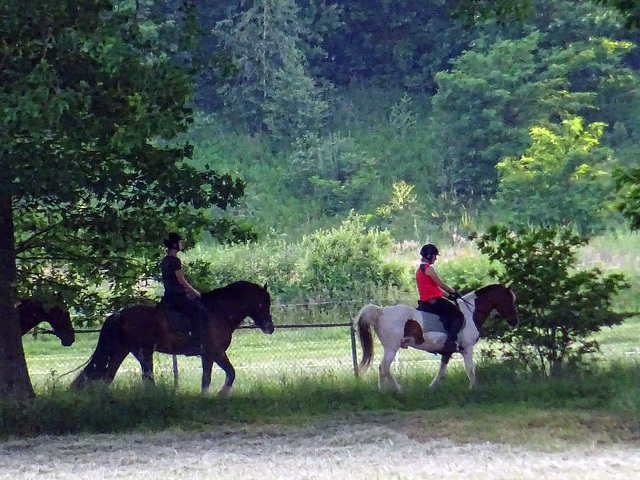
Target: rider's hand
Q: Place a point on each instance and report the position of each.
(453, 296)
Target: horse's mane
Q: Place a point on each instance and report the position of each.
(489, 288)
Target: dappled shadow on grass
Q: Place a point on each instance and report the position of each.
(613, 390)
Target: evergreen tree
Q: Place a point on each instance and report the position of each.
(272, 89)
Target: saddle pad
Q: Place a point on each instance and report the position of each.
(431, 323)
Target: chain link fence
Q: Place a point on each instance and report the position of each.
(297, 349)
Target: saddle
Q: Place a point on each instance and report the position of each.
(179, 322)
(429, 322)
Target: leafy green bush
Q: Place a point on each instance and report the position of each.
(333, 170)
(559, 307)
(348, 262)
(467, 272)
(273, 263)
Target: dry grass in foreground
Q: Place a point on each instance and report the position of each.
(404, 446)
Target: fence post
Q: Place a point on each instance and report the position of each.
(354, 353)
(175, 371)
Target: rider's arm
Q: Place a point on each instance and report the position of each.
(191, 292)
(432, 273)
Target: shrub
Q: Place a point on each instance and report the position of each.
(559, 306)
(466, 272)
(348, 262)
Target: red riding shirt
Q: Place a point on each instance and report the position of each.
(427, 287)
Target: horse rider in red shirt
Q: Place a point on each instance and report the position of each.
(431, 290)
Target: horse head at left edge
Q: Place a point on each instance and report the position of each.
(32, 312)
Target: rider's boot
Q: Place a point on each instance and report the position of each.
(194, 347)
(450, 346)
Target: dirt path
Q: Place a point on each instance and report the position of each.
(338, 451)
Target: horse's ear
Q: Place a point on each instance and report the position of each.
(265, 286)
(509, 286)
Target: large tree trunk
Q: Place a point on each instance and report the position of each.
(14, 375)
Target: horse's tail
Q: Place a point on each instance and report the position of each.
(368, 317)
(98, 365)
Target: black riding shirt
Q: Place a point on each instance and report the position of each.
(169, 266)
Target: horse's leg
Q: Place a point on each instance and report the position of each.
(224, 363)
(467, 355)
(444, 361)
(145, 357)
(207, 364)
(385, 369)
(113, 364)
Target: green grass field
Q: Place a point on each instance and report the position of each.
(287, 355)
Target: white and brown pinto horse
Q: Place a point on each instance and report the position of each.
(400, 326)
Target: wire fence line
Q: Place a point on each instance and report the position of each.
(302, 345)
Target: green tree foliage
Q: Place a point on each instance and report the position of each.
(505, 11)
(628, 190)
(560, 180)
(333, 170)
(560, 306)
(629, 9)
(498, 90)
(89, 182)
(272, 90)
(396, 43)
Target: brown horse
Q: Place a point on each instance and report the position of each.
(32, 312)
(143, 329)
(402, 326)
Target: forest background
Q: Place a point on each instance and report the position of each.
(379, 126)
(335, 138)
(362, 131)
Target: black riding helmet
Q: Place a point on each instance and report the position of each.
(172, 240)
(428, 250)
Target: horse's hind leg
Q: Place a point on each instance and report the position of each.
(443, 368)
(113, 364)
(145, 357)
(385, 370)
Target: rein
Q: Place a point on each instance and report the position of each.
(469, 304)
